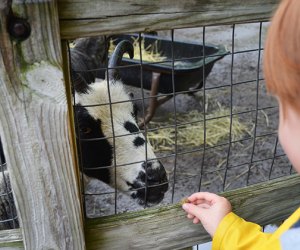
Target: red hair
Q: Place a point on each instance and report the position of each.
(282, 54)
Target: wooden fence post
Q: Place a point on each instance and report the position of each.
(34, 129)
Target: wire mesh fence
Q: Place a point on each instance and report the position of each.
(199, 107)
(8, 214)
(192, 114)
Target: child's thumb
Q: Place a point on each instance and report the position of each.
(193, 210)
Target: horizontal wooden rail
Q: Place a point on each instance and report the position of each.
(167, 227)
(11, 238)
(93, 17)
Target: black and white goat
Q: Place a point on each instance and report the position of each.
(102, 143)
(108, 135)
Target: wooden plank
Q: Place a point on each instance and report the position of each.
(11, 238)
(93, 17)
(34, 130)
(168, 228)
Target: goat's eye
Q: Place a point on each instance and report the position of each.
(86, 130)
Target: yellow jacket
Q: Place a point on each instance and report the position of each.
(234, 233)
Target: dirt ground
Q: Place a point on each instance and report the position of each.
(247, 162)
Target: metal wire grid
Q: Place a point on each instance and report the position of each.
(229, 167)
(8, 215)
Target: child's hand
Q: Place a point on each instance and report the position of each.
(207, 208)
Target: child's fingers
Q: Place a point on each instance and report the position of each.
(190, 216)
(201, 203)
(196, 220)
(198, 201)
(193, 209)
(205, 196)
(204, 205)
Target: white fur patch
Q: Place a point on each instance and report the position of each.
(125, 151)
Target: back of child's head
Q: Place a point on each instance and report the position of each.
(282, 55)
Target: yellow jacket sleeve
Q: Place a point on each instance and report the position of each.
(234, 233)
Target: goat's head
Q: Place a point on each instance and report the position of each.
(111, 146)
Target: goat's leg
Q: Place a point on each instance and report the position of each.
(153, 99)
(154, 102)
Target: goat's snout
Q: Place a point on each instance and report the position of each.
(155, 173)
(151, 184)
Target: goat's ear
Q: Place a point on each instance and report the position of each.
(88, 55)
(80, 77)
(131, 95)
(95, 48)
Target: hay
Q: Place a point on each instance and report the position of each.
(192, 135)
(149, 54)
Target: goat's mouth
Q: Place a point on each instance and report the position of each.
(150, 195)
(151, 185)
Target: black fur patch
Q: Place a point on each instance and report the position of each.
(157, 185)
(95, 152)
(131, 127)
(138, 141)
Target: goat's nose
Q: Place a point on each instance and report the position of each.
(155, 181)
(155, 172)
(147, 165)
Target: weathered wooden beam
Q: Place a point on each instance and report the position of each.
(168, 228)
(93, 17)
(12, 239)
(34, 128)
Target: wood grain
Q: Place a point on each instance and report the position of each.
(88, 18)
(168, 228)
(12, 239)
(34, 130)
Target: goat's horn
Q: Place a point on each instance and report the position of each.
(123, 47)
